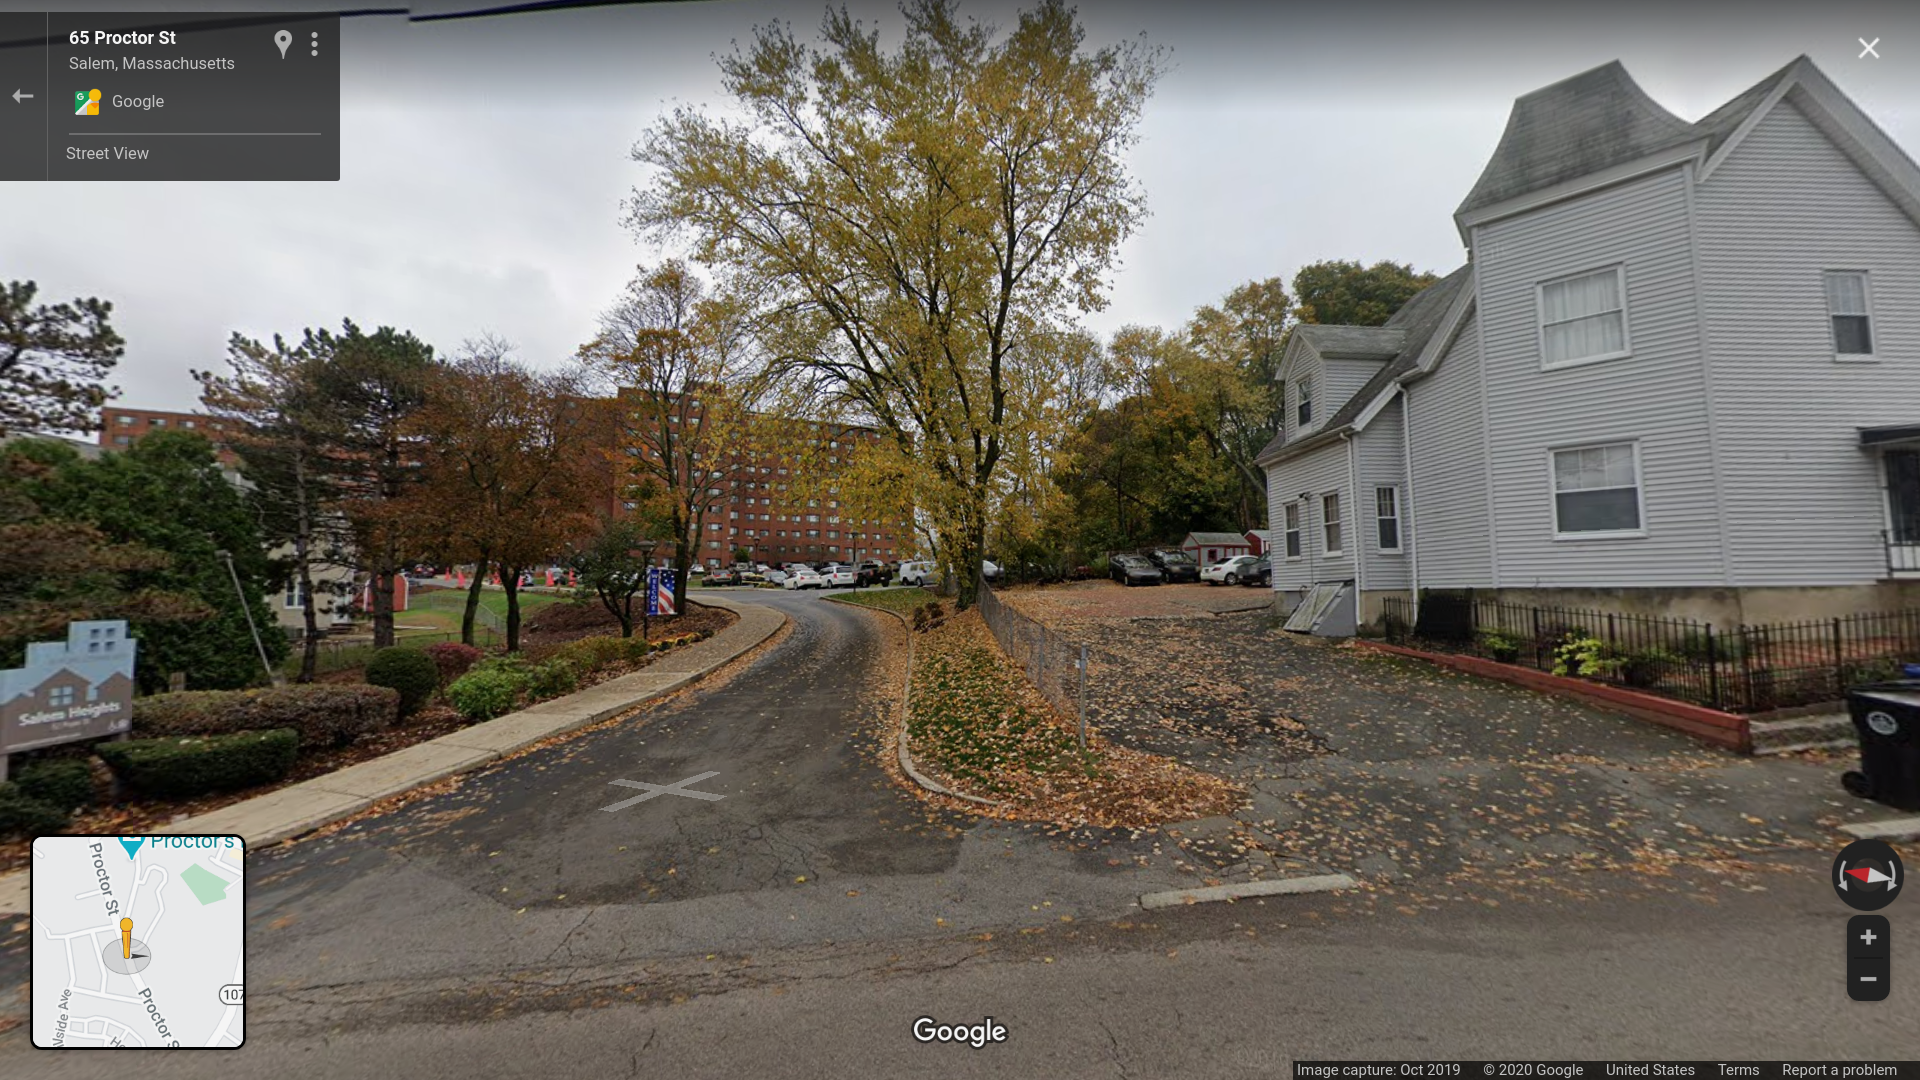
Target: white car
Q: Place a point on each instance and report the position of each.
(836, 577)
(1227, 571)
(917, 573)
(804, 578)
(776, 577)
(990, 570)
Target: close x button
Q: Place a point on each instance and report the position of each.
(1867, 938)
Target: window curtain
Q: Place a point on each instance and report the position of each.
(1582, 317)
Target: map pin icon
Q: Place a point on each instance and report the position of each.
(283, 39)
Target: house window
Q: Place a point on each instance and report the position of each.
(124, 420)
(188, 424)
(1303, 396)
(1596, 491)
(123, 440)
(1903, 497)
(158, 421)
(1584, 318)
(295, 596)
(1330, 521)
(1386, 517)
(60, 697)
(1292, 532)
(1847, 309)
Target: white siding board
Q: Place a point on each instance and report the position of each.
(1344, 379)
(1310, 365)
(1449, 447)
(1654, 396)
(1381, 462)
(1803, 503)
(1320, 470)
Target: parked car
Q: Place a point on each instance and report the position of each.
(722, 576)
(1227, 571)
(917, 572)
(804, 578)
(837, 576)
(1260, 573)
(776, 577)
(1174, 564)
(872, 572)
(748, 575)
(990, 570)
(1134, 570)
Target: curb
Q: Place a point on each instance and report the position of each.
(1907, 828)
(906, 697)
(1274, 887)
(300, 808)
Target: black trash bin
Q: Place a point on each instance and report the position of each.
(1887, 718)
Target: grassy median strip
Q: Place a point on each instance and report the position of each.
(902, 600)
(975, 719)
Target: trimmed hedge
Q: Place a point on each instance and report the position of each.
(22, 815)
(488, 690)
(409, 671)
(183, 768)
(324, 714)
(65, 784)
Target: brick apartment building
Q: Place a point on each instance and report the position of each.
(121, 427)
(750, 506)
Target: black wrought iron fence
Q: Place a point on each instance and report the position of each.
(1748, 668)
(1060, 669)
(342, 654)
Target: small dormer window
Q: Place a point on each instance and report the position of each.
(1303, 396)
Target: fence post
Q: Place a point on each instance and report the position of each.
(1536, 638)
(1839, 660)
(1713, 670)
(1083, 697)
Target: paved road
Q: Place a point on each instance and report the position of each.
(796, 927)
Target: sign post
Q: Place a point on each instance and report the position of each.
(80, 688)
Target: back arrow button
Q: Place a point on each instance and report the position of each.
(18, 94)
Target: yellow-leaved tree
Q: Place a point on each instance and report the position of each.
(917, 221)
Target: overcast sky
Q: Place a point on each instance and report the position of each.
(484, 161)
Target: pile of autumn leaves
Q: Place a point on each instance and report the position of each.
(976, 721)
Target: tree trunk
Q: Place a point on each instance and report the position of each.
(383, 607)
(473, 600)
(303, 569)
(510, 580)
(621, 610)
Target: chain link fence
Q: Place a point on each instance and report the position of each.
(1056, 667)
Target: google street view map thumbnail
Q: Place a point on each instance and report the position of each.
(137, 941)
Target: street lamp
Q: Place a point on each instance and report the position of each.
(646, 606)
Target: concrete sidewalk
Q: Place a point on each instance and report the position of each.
(300, 808)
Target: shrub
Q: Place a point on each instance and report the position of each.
(488, 690)
(411, 672)
(182, 768)
(453, 659)
(325, 714)
(65, 784)
(552, 679)
(1694, 647)
(22, 815)
(1644, 668)
(1499, 646)
(1584, 657)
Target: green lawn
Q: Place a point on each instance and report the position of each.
(442, 608)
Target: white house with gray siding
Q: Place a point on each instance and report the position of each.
(1680, 372)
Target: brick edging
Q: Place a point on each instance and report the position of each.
(1724, 729)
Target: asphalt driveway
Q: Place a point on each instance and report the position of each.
(1417, 776)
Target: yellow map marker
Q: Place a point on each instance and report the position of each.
(126, 939)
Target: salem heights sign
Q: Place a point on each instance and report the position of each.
(80, 688)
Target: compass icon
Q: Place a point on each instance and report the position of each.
(1868, 875)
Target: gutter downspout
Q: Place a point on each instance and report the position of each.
(1406, 526)
(1359, 537)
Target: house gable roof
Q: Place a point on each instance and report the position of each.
(1218, 539)
(1353, 342)
(1587, 124)
(1415, 325)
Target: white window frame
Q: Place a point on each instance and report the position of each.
(291, 597)
(1619, 271)
(1873, 336)
(1303, 398)
(1639, 493)
(1332, 521)
(62, 697)
(1296, 510)
(1399, 521)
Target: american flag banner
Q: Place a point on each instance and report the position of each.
(659, 591)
